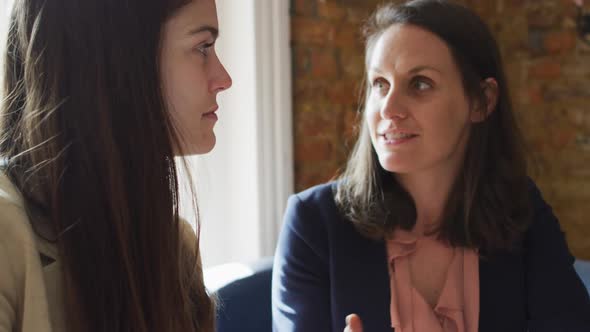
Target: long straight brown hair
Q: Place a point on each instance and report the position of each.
(489, 206)
(89, 143)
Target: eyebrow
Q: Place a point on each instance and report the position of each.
(205, 28)
(412, 71)
(421, 68)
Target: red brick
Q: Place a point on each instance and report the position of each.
(543, 18)
(578, 116)
(560, 41)
(516, 4)
(358, 16)
(309, 31)
(348, 35)
(301, 61)
(353, 63)
(308, 177)
(351, 122)
(321, 123)
(562, 137)
(570, 9)
(308, 91)
(323, 64)
(314, 151)
(331, 10)
(545, 70)
(535, 95)
(305, 7)
(343, 92)
(485, 9)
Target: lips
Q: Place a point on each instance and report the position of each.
(211, 112)
(397, 137)
(397, 134)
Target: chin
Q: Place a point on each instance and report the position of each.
(396, 166)
(204, 146)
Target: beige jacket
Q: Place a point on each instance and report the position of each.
(30, 273)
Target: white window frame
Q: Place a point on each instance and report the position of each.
(275, 128)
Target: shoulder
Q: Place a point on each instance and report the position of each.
(18, 253)
(556, 295)
(16, 235)
(536, 198)
(16, 232)
(310, 216)
(544, 223)
(313, 206)
(320, 194)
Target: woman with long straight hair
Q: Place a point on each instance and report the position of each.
(98, 98)
(434, 225)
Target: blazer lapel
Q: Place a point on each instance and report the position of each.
(365, 281)
(377, 297)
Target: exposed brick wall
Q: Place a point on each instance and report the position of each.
(548, 69)
(328, 68)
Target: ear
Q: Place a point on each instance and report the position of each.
(490, 89)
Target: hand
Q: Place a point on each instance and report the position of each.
(353, 323)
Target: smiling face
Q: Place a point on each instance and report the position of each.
(192, 74)
(417, 112)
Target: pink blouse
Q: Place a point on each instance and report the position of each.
(457, 309)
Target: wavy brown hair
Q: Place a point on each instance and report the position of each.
(88, 141)
(488, 207)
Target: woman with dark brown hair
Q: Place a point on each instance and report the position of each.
(98, 98)
(433, 225)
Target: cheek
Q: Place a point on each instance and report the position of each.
(186, 92)
(446, 129)
(372, 116)
(446, 119)
(371, 121)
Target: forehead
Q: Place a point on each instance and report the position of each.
(194, 14)
(403, 47)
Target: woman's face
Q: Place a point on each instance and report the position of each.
(417, 111)
(192, 74)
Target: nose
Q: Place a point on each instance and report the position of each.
(221, 80)
(393, 106)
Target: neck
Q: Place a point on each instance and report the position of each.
(430, 192)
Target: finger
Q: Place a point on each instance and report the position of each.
(353, 323)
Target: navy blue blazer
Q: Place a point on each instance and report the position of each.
(324, 270)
